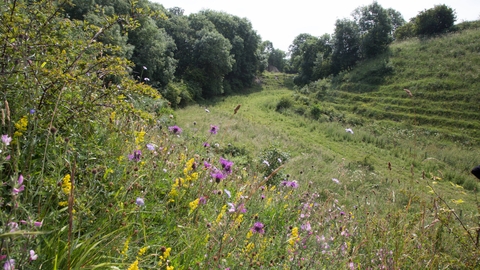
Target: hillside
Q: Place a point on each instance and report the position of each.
(442, 74)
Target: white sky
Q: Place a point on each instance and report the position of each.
(281, 21)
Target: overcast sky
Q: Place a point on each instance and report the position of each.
(281, 21)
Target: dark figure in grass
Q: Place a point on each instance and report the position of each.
(476, 171)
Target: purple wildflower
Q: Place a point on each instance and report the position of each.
(213, 129)
(38, 223)
(33, 256)
(241, 208)
(32, 111)
(175, 129)
(6, 139)
(218, 176)
(258, 228)
(232, 207)
(140, 202)
(151, 146)
(226, 165)
(20, 188)
(207, 165)
(202, 200)
(206, 144)
(293, 184)
(135, 156)
(9, 265)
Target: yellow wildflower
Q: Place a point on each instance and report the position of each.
(170, 267)
(193, 205)
(125, 247)
(142, 251)
(294, 236)
(220, 215)
(66, 184)
(239, 219)
(249, 234)
(134, 265)
(64, 203)
(165, 254)
(21, 126)
(139, 137)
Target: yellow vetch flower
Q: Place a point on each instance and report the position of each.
(66, 184)
(170, 267)
(142, 251)
(249, 234)
(21, 126)
(64, 203)
(220, 215)
(239, 220)
(165, 254)
(139, 137)
(193, 204)
(125, 247)
(134, 265)
(294, 236)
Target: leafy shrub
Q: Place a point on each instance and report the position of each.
(284, 104)
(434, 21)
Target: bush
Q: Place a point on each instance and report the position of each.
(284, 104)
(434, 21)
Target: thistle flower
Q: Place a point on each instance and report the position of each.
(175, 129)
(217, 175)
(258, 227)
(213, 129)
(135, 156)
(226, 165)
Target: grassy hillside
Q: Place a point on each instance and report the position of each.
(442, 74)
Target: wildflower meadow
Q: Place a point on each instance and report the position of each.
(97, 172)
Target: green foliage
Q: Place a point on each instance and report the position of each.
(435, 20)
(269, 162)
(283, 104)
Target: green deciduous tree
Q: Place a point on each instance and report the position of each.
(346, 45)
(435, 20)
(375, 28)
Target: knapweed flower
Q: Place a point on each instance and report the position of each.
(175, 129)
(241, 208)
(292, 184)
(140, 202)
(9, 265)
(258, 227)
(218, 176)
(135, 156)
(33, 256)
(6, 139)
(226, 165)
(206, 165)
(202, 200)
(213, 129)
(206, 144)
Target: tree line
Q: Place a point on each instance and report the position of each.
(210, 53)
(366, 35)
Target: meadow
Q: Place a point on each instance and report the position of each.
(279, 177)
